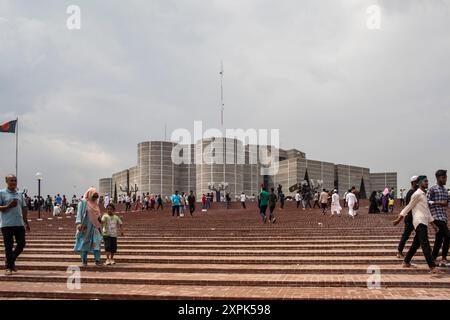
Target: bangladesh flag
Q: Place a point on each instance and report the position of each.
(9, 127)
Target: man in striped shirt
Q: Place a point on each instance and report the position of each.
(438, 200)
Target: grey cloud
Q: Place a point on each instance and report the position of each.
(337, 91)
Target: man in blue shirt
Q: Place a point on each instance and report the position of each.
(13, 220)
(58, 200)
(176, 204)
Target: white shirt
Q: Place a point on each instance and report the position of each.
(351, 198)
(297, 197)
(243, 197)
(335, 199)
(56, 211)
(419, 207)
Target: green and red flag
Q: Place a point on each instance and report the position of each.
(9, 127)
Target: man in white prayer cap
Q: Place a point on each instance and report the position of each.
(335, 205)
(409, 228)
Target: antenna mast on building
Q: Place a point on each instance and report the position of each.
(165, 131)
(222, 105)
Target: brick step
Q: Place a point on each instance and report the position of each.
(225, 279)
(226, 218)
(198, 226)
(45, 290)
(127, 246)
(213, 235)
(260, 259)
(240, 224)
(127, 241)
(227, 237)
(200, 223)
(224, 237)
(231, 252)
(396, 268)
(247, 225)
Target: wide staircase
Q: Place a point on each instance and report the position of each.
(227, 254)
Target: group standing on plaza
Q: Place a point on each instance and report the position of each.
(329, 200)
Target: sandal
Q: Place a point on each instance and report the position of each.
(437, 273)
(442, 263)
(408, 265)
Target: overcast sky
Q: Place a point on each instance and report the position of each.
(337, 90)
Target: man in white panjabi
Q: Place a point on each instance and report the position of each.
(351, 202)
(335, 205)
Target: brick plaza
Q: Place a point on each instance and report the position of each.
(227, 254)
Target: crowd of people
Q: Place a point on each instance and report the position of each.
(55, 205)
(424, 207)
(329, 200)
(383, 201)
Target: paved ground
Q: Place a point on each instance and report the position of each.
(228, 254)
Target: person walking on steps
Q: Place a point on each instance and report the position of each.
(421, 219)
(409, 227)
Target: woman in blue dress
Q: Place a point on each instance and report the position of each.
(88, 236)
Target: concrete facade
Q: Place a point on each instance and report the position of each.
(348, 176)
(229, 160)
(294, 170)
(381, 180)
(155, 171)
(220, 160)
(105, 186)
(119, 179)
(251, 177)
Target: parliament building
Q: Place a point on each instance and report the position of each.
(240, 169)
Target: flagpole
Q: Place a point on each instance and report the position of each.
(17, 147)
